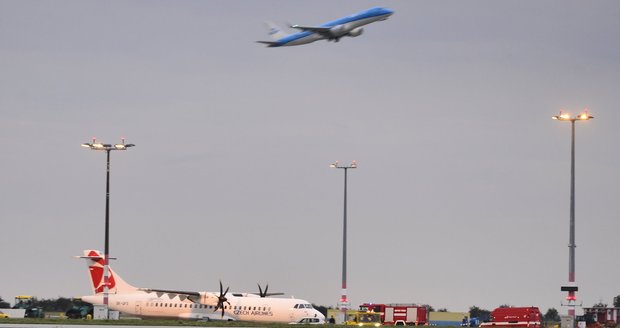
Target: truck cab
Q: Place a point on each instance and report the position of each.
(363, 318)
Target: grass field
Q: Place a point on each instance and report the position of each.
(134, 322)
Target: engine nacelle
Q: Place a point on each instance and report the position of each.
(356, 32)
(338, 31)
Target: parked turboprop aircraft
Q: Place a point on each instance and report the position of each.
(161, 303)
(331, 31)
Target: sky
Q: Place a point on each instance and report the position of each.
(460, 198)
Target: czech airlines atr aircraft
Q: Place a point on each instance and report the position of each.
(160, 303)
(331, 31)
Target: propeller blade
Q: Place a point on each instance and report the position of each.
(221, 299)
(265, 293)
(262, 293)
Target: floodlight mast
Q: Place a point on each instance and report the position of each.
(571, 290)
(344, 303)
(106, 257)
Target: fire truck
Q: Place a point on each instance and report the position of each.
(512, 317)
(398, 314)
(597, 317)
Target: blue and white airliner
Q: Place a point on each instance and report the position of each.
(331, 31)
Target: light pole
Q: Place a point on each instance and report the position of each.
(572, 288)
(344, 303)
(106, 257)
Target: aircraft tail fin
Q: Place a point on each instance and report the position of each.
(275, 32)
(116, 284)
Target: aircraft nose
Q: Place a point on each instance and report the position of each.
(389, 12)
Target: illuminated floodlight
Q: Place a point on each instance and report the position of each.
(335, 165)
(101, 146)
(567, 117)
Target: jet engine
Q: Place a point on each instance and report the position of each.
(338, 31)
(356, 32)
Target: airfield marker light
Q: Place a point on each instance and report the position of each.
(571, 244)
(106, 259)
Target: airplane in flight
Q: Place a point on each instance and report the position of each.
(331, 31)
(189, 305)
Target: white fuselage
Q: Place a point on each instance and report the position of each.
(247, 307)
(333, 31)
(347, 27)
(157, 303)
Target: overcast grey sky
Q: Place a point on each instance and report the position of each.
(461, 197)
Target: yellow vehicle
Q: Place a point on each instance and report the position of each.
(363, 318)
(3, 315)
(23, 302)
(27, 303)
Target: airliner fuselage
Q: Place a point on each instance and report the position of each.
(171, 304)
(243, 308)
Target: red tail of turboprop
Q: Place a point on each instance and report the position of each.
(95, 263)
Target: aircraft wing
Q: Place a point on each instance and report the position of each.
(325, 31)
(192, 296)
(269, 43)
(267, 294)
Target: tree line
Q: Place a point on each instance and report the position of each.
(61, 304)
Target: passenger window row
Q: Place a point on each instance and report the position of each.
(202, 306)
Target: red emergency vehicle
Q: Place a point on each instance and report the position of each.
(596, 317)
(398, 314)
(515, 317)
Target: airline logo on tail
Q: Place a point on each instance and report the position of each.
(96, 269)
(95, 262)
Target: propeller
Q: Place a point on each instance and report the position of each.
(221, 299)
(260, 290)
(264, 293)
